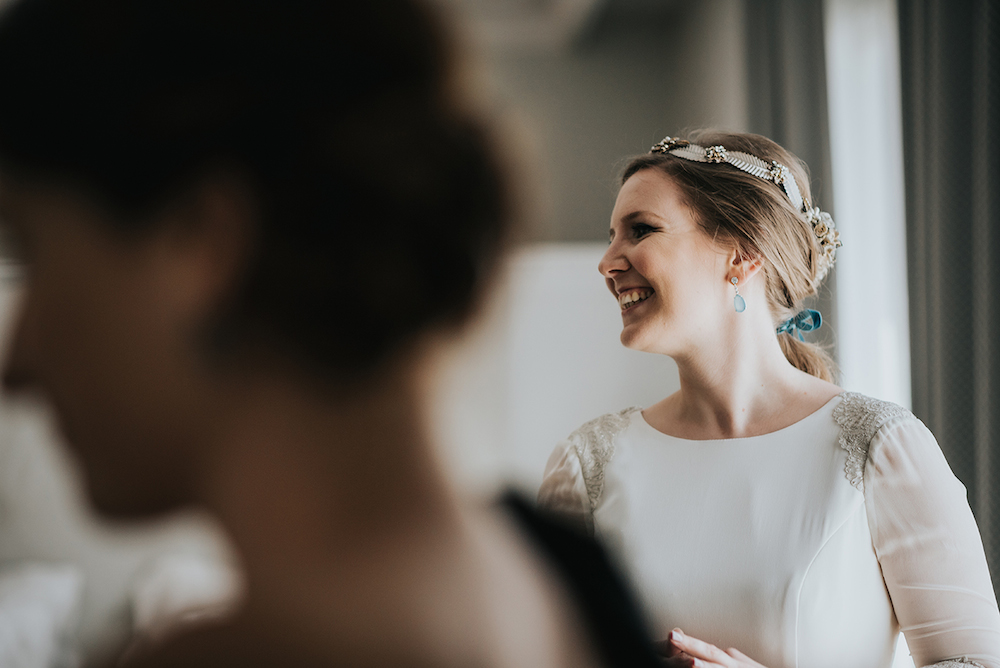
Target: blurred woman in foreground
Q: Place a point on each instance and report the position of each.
(247, 228)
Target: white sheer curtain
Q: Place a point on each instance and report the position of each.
(862, 67)
(862, 64)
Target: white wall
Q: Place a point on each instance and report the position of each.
(545, 359)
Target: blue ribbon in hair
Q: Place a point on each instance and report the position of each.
(804, 321)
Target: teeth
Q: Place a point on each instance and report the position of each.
(628, 299)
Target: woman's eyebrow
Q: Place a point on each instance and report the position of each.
(639, 215)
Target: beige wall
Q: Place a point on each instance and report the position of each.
(630, 78)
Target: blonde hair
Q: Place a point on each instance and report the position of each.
(757, 217)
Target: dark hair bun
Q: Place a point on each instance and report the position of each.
(383, 207)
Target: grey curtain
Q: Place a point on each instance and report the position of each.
(950, 60)
(786, 80)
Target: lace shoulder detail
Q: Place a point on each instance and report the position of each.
(964, 662)
(594, 443)
(860, 418)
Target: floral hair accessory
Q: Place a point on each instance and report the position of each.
(828, 237)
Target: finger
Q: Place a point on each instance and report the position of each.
(737, 654)
(700, 649)
(666, 648)
(679, 661)
(702, 663)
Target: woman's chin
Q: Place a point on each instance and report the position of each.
(644, 337)
(634, 337)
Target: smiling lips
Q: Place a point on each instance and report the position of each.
(630, 298)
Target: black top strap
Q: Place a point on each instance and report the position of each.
(612, 616)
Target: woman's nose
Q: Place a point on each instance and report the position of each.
(614, 261)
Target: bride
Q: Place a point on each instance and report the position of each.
(761, 507)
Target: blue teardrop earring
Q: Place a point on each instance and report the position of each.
(739, 303)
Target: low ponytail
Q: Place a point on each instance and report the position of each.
(807, 357)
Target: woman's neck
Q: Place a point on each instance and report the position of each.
(738, 383)
(356, 550)
(301, 476)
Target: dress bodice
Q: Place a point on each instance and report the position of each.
(793, 546)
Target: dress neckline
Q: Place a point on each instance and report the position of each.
(740, 439)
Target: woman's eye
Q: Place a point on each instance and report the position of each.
(640, 230)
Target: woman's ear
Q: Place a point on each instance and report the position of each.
(743, 266)
(212, 230)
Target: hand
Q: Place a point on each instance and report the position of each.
(681, 651)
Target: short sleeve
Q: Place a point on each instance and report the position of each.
(929, 548)
(563, 490)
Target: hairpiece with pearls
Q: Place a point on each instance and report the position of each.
(773, 171)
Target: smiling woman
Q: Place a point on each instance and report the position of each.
(669, 262)
(761, 508)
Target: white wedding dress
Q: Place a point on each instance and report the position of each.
(809, 547)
